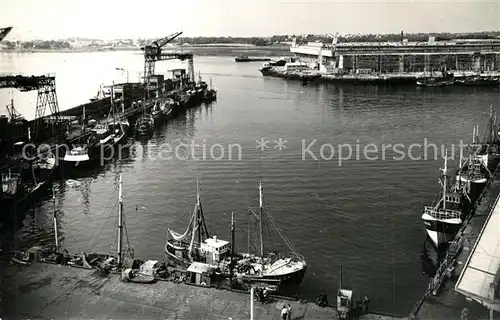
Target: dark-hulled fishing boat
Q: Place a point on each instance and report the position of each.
(444, 218)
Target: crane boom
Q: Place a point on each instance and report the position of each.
(163, 41)
(153, 53)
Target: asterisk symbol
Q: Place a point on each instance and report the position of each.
(280, 144)
(262, 144)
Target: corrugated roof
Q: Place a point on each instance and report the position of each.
(484, 260)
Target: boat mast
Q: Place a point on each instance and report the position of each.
(83, 119)
(445, 172)
(120, 222)
(55, 220)
(341, 275)
(232, 234)
(113, 102)
(198, 218)
(260, 220)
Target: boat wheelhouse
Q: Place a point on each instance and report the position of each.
(443, 219)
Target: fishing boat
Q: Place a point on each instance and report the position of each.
(144, 125)
(170, 107)
(42, 170)
(20, 257)
(434, 82)
(444, 218)
(99, 141)
(210, 94)
(446, 79)
(478, 81)
(102, 137)
(10, 185)
(106, 262)
(488, 148)
(266, 69)
(345, 302)
(474, 171)
(287, 268)
(195, 244)
(158, 112)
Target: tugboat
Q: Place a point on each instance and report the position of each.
(444, 219)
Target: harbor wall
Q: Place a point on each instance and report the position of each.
(479, 56)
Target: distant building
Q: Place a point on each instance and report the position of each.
(404, 56)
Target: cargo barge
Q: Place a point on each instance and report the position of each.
(250, 59)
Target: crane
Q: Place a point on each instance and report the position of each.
(46, 88)
(153, 53)
(4, 32)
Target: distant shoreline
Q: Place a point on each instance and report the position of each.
(200, 50)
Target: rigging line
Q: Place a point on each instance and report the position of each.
(106, 209)
(287, 242)
(127, 237)
(103, 225)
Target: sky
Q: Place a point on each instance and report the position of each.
(111, 19)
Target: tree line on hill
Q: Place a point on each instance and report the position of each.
(259, 41)
(37, 44)
(394, 37)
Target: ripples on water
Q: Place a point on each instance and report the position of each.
(364, 213)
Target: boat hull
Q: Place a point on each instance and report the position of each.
(441, 232)
(90, 159)
(290, 278)
(423, 83)
(481, 180)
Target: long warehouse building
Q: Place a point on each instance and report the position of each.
(404, 56)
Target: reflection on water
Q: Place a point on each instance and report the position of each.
(364, 213)
(431, 258)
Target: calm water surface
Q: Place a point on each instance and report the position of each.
(364, 213)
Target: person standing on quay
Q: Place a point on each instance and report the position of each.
(289, 309)
(284, 312)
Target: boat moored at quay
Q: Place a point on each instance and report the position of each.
(197, 255)
(196, 245)
(443, 219)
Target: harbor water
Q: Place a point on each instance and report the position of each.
(336, 183)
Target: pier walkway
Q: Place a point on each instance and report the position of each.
(480, 275)
(45, 291)
(441, 301)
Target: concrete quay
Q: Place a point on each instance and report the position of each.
(441, 301)
(46, 291)
(407, 78)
